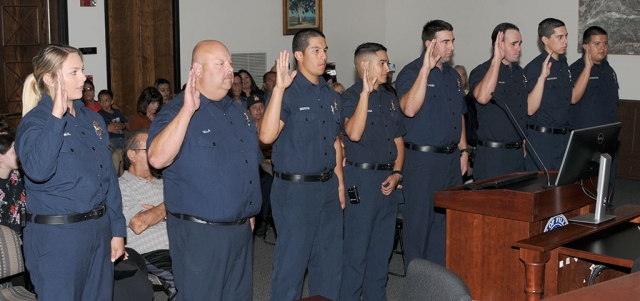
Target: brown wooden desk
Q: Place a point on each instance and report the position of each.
(620, 289)
(482, 226)
(565, 242)
(314, 298)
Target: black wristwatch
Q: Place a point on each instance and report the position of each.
(400, 173)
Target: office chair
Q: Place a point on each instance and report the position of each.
(430, 281)
(12, 263)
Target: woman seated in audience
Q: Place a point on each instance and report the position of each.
(236, 90)
(12, 192)
(164, 87)
(89, 95)
(338, 87)
(248, 84)
(149, 104)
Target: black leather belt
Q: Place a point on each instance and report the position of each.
(491, 144)
(199, 221)
(431, 149)
(95, 213)
(323, 177)
(373, 166)
(543, 129)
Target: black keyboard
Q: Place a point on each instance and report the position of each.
(502, 182)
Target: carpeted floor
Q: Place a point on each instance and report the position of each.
(626, 192)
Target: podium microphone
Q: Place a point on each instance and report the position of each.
(513, 118)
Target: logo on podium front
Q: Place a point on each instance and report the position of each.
(556, 222)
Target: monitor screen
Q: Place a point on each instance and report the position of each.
(582, 156)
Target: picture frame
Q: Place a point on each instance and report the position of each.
(301, 14)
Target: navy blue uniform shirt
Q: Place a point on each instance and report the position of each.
(67, 163)
(494, 122)
(311, 116)
(215, 175)
(439, 121)
(384, 124)
(556, 99)
(599, 103)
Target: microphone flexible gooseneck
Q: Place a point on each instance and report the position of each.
(546, 171)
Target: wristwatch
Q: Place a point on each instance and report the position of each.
(400, 173)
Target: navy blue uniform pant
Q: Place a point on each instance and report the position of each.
(211, 262)
(424, 228)
(493, 162)
(368, 236)
(550, 148)
(308, 217)
(71, 261)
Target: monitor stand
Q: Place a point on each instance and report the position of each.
(601, 204)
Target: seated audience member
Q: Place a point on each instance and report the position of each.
(12, 197)
(329, 78)
(236, 90)
(144, 210)
(268, 82)
(164, 87)
(149, 103)
(338, 87)
(255, 105)
(248, 84)
(115, 120)
(88, 96)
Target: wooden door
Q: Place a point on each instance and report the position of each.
(141, 42)
(27, 25)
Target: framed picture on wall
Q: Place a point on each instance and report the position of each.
(301, 14)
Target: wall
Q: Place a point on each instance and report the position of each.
(256, 26)
(87, 29)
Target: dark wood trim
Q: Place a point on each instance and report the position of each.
(177, 82)
(63, 22)
(107, 45)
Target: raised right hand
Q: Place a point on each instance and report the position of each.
(498, 47)
(60, 101)
(191, 94)
(283, 78)
(367, 84)
(430, 61)
(546, 67)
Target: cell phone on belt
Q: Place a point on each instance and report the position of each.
(354, 197)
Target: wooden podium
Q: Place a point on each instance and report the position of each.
(482, 226)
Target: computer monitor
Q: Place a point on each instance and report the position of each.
(582, 156)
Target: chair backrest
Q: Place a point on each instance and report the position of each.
(430, 281)
(11, 262)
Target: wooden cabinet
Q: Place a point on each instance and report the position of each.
(629, 148)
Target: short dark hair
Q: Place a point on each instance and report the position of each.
(301, 39)
(368, 48)
(592, 31)
(106, 92)
(6, 139)
(432, 27)
(88, 81)
(149, 95)
(502, 27)
(264, 77)
(131, 143)
(547, 26)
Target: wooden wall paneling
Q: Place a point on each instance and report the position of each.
(140, 39)
(628, 165)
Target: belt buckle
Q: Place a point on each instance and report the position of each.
(449, 149)
(564, 130)
(98, 212)
(325, 176)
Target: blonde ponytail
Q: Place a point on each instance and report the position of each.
(30, 94)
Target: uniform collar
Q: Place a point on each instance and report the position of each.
(302, 82)
(561, 57)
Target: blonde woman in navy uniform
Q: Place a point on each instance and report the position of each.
(75, 226)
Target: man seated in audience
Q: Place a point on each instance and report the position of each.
(268, 82)
(144, 210)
